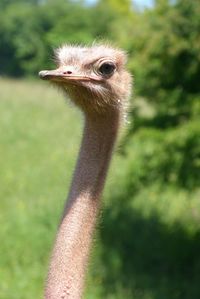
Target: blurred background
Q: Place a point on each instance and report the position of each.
(147, 245)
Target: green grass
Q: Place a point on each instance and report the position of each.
(39, 136)
(148, 241)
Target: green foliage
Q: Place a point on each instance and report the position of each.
(171, 158)
(165, 45)
(29, 30)
(23, 48)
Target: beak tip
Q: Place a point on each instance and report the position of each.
(42, 74)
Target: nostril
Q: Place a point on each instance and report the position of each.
(67, 73)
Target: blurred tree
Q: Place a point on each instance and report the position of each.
(26, 45)
(6, 3)
(166, 40)
(23, 48)
(72, 24)
(121, 7)
(164, 57)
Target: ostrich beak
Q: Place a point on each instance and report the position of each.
(60, 75)
(49, 75)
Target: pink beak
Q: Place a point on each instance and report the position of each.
(60, 75)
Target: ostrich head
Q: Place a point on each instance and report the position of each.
(93, 77)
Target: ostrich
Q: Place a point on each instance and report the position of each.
(96, 80)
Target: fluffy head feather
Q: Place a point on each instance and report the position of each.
(94, 77)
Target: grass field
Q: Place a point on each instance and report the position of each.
(148, 243)
(39, 136)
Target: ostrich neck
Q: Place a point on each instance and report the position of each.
(71, 251)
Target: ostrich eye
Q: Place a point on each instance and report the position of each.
(107, 68)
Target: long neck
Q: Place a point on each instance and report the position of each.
(71, 251)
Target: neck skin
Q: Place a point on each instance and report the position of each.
(72, 247)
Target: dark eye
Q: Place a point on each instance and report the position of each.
(107, 68)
